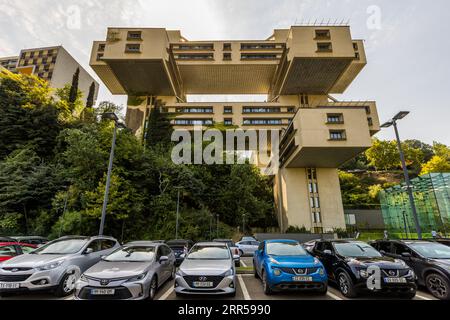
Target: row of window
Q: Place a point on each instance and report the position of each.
(262, 122)
(193, 122)
(314, 199)
(229, 110)
(227, 121)
(39, 54)
(196, 110)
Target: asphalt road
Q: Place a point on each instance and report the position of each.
(248, 288)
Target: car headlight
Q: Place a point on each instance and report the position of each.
(83, 278)
(401, 262)
(316, 261)
(137, 278)
(50, 266)
(272, 260)
(363, 273)
(229, 273)
(277, 272)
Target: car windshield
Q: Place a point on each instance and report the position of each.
(285, 249)
(68, 246)
(132, 254)
(432, 250)
(209, 253)
(356, 250)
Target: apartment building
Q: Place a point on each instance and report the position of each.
(54, 64)
(9, 63)
(297, 68)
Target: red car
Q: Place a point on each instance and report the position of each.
(9, 250)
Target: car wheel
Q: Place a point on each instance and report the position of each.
(237, 264)
(241, 253)
(266, 287)
(153, 289)
(409, 295)
(67, 285)
(324, 290)
(346, 285)
(438, 286)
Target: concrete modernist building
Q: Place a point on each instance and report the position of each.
(53, 64)
(297, 68)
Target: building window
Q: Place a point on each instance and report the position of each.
(337, 135)
(370, 121)
(291, 109)
(259, 56)
(260, 110)
(134, 35)
(335, 118)
(367, 109)
(323, 35)
(357, 57)
(314, 199)
(227, 109)
(100, 56)
(262, 122)
(228, 122)
(133, 48)
(355, 46)
(227, 56)
(324, 47)
(195, 47)
(195, 110)
(304, 100)
(192, 122)
(257, 46)
(227, 47)
(195, 56)
(101, 47)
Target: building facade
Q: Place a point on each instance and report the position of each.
(54, 64)
(432, 200)
(297, 68)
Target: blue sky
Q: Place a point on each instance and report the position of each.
(406, 41)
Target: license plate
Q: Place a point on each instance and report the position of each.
(203, 284)
(395, 280)
(103, 292)
(302, 279)
(9, 285)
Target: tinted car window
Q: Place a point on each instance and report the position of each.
(322, 246)
(131, 254)
(385, 246)
(166, 250)
(254, 243)
(95, 245)
(68, 246)
(107, 244)
(285, 249)
(8, 251)
(356, 249)
(398, 248)
(432, 250)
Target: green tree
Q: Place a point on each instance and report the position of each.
(383, 155)
(436, 165)
(159, 129)
(91, 95)
(73, 93)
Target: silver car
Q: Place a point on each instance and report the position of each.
(133, 272)
(56, 265)
(208, 268)
(247, 248)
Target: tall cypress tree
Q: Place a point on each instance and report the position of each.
(74, 88)
(90, 98)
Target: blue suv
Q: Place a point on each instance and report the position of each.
(285, 265)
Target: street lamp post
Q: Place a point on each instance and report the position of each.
(217, 225)
(390, 123)
(178, 213)
(117, 124)
(243, 223)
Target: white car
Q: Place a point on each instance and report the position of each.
(247, 247)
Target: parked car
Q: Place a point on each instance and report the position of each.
(7, 239)
(208, 268)
(429, 260)
(309, 246)
(248, 238)
(132, 272)
(36, 240)
(349, 263)
(234, 250)
(56, 265)
(180, 248)
(247, 247)
(285, 265)
(9, 250)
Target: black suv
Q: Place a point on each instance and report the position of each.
(352, 265)
(429, 260)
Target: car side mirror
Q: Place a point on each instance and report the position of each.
(328, 252)
(103, 257)
(183, 255)
(163, 259)
(236, 257)
(88, 251)
(383, 252)
(406, 255)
